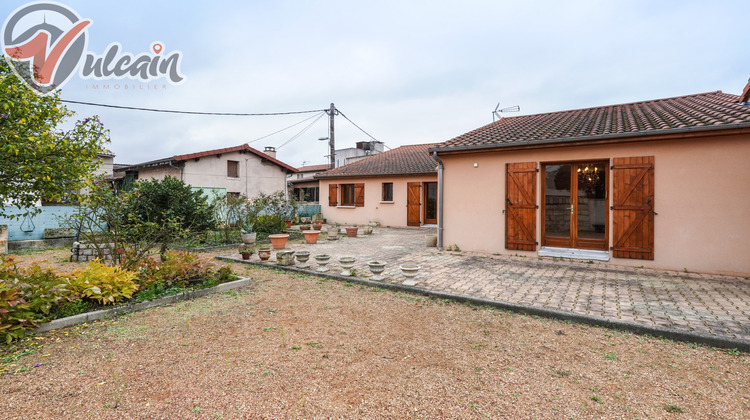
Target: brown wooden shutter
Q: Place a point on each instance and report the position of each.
(359, 195)
(633, 208)
(333, 195)
(520, 206)
(412, 203)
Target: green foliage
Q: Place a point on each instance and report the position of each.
(276, 204)
(40, 161)
(102, 283)
(166, 210)
(270, 224)
(178, 268)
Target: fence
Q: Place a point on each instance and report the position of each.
(32, 227)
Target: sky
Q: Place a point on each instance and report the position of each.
(403, 72)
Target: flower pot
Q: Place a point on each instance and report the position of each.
(278, 240)
(409, 271)
(264, 254)
(333, 233)
(317, 225)
(302, 257)
(249, 238)
(347, 263)
(288, 223)
(311, 236)
(376, 267)
(246, 255)
(322, 260)
(285, 258)
(352, 231)
(430, 240)
(367, 230)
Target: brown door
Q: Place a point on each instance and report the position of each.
(575, 205)
(520, 206)
(412, 203)
(430, 203)
(633, 207)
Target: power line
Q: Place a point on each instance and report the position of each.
(300, 132)
(358, 127)
(286, 128)
(232, 114)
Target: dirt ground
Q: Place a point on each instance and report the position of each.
(297, 346)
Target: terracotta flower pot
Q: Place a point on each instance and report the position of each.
(246, 255)
(317, 225)
(311, 236)
(352, 231)
(264, 254)
(278, 240)
(288, 223)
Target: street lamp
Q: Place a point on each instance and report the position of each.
(333, 151)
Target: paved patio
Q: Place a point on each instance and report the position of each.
(712, 309)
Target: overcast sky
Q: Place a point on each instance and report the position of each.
(406, 72)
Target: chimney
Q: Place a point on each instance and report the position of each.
(270, 151)
(745, 97)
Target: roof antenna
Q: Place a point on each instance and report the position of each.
(496, 112)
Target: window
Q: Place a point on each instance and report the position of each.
(347, 194)
(233, 169)
(387, 191)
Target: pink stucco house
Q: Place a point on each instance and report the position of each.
(396, 188)
(662, 183)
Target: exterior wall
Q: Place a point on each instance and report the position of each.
(700, 198)
(387, 214)
(255, 176)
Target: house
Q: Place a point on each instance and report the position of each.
(395, 188)
(661, 183)
(303, 184)
(233, 170)
(362, 150)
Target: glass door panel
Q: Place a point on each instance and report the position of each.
(591, 207)
(557, 201)
(430, 210)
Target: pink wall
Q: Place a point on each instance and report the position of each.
(387, 214)
(702, 197)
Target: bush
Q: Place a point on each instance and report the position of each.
(102, 283)
(179, 268)
(270, 224)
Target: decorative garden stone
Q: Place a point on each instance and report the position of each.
(409, 271)
(376, 267)
(302, 257)
(347, 263)
(322, 260)
(285, 258)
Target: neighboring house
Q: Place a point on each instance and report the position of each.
(661, 183)
(394, 188)
(362, 150)
(233, 170)
(303, 184)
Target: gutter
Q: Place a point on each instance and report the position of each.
(440, 200)
(176, 167)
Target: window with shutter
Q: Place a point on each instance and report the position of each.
(333, 195)
(633, 207)
(520, 206)
(359, 195)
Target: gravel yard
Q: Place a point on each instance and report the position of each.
(297, 346)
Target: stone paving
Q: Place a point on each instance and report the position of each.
(689, 303)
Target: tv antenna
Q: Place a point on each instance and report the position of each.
(496, 112)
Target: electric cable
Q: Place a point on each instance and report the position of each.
(283, 129)
(232, 114)
(360, 128)
(296, 136)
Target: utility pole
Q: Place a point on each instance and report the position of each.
(331, 142)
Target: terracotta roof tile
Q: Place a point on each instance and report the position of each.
(239, 148)
(639, 118)
(314, 168)
(404, 160)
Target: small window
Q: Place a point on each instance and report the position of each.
(388, 191)
(233, 169)
(347, 194)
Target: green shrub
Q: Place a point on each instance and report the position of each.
(270, 224)
(102, 283)
(179, 268)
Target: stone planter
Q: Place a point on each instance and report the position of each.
(347, 263)
(302, 257)
(376, 267)
(430, 240)
(311, 236)
(351, 231)
(322, 260)
(264, 254)
(333, 233)
(367, 230)
(285, 258)
(249, 238)
(409, 271)
(278, 240)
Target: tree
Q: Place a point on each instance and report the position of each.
(166, 210)
(37, 159)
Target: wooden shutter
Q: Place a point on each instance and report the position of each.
(333, 195)
(412, 203)
(520, 206)
(633, 208)
(359, 195)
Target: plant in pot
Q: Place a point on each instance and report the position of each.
(317, 224)
(246, 251)
(264, 252)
